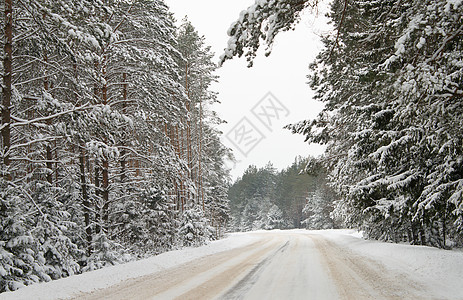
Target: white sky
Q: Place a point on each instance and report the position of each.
(240, 89)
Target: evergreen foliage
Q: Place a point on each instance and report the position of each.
(390, 77)
(108, 148)
(266, 199)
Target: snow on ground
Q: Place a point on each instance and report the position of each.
(440, 271)
(87, 282)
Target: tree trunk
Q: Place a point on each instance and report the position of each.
(6, 88)
(56, 163)
(48, 153)
(49, 164)
(124, 108)
(188, 147)
(200, 176)
(98, 194)
(444, 228)
(422, 235)
(123, 163)
(105, 194)
(85, 200)
(105, 170)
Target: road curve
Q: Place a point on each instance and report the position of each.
(280, 265)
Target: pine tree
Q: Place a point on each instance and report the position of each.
(94, 120)
(390, 81)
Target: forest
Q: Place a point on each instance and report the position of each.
(110, 151)
(391, 78)
(264, 198)
(109, 148)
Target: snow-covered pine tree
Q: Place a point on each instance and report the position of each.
(390, 80)
(91, 97)
(390, 151)
(145, 90)
(38, 230)
(204, 153)
(194, 229)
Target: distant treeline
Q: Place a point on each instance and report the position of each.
(264, 198)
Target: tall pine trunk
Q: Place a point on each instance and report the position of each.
(124, 108)
(105, 194)
(98, 194)
(85, 200)
(105, 169)
(200, 176)
(48, 151)
(6, 89)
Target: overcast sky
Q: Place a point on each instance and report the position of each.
(257, 102)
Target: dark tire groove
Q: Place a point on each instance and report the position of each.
(239, 290)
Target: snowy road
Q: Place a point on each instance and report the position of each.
(294, 264)
(278, 265)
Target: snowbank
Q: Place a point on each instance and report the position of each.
(103, 278)
(440, 270)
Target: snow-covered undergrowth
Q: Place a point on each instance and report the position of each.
(106, 277)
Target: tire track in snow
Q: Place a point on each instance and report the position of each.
(296, 273)
(188, 281)
(213, 282)
(280, 265)
(358, 277)
(245, 284)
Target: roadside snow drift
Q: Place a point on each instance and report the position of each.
(330, 264)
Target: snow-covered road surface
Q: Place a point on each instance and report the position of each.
(279, 265)
(294, 264)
